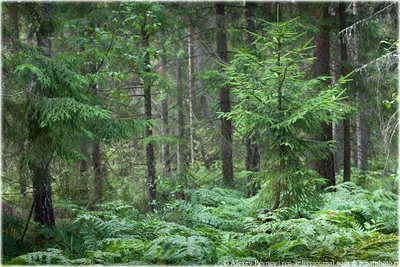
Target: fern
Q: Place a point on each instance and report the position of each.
(378, 207)
(49, 257)
(220, 226)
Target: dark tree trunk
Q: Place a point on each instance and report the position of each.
(225, 103)
(325, 167)
(203, 97)
(43, 204)
(46, 28)
(252, 148)
(192, 94)
(98, 175)
(346, 121)
(14, 17)
(83, 164)
(181, 157)
(165, 153)
(43, 208)
(151, 170)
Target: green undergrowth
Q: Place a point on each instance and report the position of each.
(217, 226)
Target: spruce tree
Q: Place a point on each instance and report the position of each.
(287, 110)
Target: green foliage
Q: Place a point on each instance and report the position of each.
(378, 208)
(12, 229)
(216, 226)
(287, 111)
(49, 257)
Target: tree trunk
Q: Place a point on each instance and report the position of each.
(165, 153)
(325, 167)
(151, 170)
(98, 175)
(346, 121)
(83, 165)
(362, 131)
(337, 136)
(192, 94)
(43, 207)
(225, 103)
(203, 98)
(200, 65)
(46, 28)
(43, 204)
(181, 157)
(14, 17)
(252, 148)
(336, 127)
(96, 157)
(362, 135)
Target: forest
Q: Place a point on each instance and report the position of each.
(199, 133)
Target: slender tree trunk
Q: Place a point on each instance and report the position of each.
(165, 153)
(83, 165)
(203, 97)
(43, 207)
(225, 103)
(151, 170)
(277, 185)
(252, 148)
(181, 157)
(362, 131)
(98, 175)
(346, 121)
(96, 157)
(192, 94)
(325, 167)
(336, 127)
(362, 135)
(14, 17)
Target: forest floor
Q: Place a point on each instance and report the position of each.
(216, 226)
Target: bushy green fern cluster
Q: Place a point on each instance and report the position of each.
(377, 208)
(215, 226)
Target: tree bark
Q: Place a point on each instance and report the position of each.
(362, 135)
(192, 93)
(83, 165)
(43, 207)
(14, 17)
(362, 131)
(203, 97)
(151, 170)
(325, 167)
(98, 175)
(181, 157)
(225, 103)
(165, 153)
(252, 148)
(346, 121)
